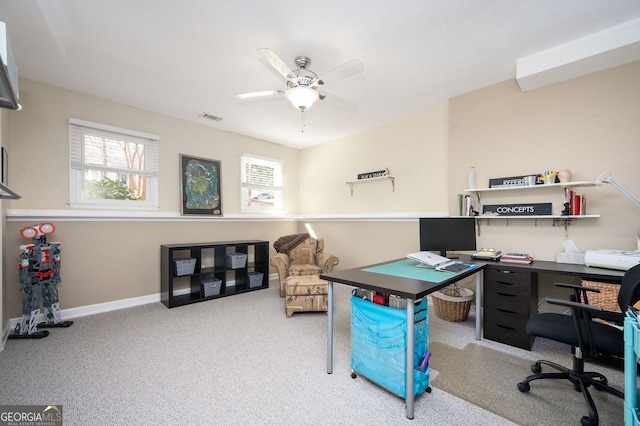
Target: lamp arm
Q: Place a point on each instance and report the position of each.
(610, 180)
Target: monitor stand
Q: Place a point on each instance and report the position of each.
(443, 253)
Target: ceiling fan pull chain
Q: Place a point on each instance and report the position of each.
(303, 124)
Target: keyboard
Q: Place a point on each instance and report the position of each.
(452, 267)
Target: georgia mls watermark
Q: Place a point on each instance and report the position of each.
(30, 415)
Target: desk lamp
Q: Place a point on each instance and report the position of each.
(610, 180)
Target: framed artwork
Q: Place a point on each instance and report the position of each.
(4, 174)
(200, 186)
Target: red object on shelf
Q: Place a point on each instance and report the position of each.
(378, 299)
(572, 203)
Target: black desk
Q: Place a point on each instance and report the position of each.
(542, 266)
(409, 288)
(413, 289)
(509, 296)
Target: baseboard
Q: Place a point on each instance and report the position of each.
(99, 308)
(5, 335)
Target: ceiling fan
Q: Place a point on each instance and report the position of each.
(304, 87)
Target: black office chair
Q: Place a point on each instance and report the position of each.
(587, 337)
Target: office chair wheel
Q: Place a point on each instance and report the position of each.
(536, 368)
(353, 375)
(587, 421)
(524, 387)
(428, 389)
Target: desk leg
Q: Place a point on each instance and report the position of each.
(411, 337)
(479, 280)
(330, 328)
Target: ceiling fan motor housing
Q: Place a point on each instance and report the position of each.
(303, 77)
(302, 61)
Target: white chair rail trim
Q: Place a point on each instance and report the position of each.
(18, 215)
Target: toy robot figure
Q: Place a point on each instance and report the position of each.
(39, 276)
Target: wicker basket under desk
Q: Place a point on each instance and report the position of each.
(607, 299)
(452, 304)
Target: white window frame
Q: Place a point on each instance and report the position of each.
(277, 189)
(77, 166)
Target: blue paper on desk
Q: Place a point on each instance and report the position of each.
(408, 268)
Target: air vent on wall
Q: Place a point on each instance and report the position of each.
(210, 117)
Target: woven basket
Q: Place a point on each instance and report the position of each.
(452, 304)
(607, 299)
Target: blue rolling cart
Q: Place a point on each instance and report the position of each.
(631, 352)
(379, 345)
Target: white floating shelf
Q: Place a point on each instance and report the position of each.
(582, 184)
(374, 179)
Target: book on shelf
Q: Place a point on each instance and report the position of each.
(465, 205)
(577, 203)
(516, 258)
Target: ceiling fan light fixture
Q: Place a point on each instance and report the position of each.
(301, 97)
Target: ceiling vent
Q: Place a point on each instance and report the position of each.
(210, 117)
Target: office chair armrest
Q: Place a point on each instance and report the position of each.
(579, 292)
(615, 317)
(595, 310)
(576, 287)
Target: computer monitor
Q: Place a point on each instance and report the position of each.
(447, 233)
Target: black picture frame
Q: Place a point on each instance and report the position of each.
(200, 186)
(4, 171)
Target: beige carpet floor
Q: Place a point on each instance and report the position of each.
(488, 378)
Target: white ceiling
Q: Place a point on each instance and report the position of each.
(188, 57)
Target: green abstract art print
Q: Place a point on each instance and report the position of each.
(200, 186)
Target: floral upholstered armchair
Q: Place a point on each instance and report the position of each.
(301, 254)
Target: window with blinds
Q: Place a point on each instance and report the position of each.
(262, 184)
(112, 167)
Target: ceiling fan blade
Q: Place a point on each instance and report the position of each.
(339, 105)
(344, 75)
(277, 63)
(261, 94)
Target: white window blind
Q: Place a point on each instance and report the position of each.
(112, 167)
(262, 183)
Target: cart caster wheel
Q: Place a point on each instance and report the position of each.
(524, 387)
(353, 375)
(536, 368)
(428, 389)
(586, 421)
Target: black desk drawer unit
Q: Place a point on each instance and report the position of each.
(510, 299)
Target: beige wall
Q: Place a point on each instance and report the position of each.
(40, 154)
(588, 125)
(415, 152)
(105, 260)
